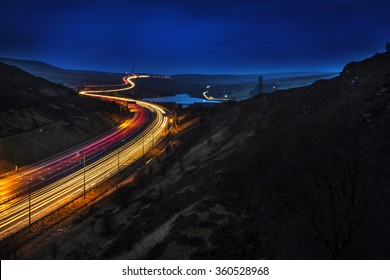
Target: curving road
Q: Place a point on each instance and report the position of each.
(216, 99)
(17, 184)
(127, 85)
(67, 177)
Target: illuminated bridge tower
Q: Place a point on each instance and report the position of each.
(260, 85)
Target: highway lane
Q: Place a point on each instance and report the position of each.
(17, 184)
(127, 85)
(14, 215)
(38, 174)
(216, 99)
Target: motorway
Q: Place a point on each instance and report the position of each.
(216, 99)
(15, 185)
(46, 186)
(127, 85)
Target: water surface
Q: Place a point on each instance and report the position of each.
(182, 98)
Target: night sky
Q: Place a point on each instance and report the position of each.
(178, 36)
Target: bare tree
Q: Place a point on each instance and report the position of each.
(333, 209)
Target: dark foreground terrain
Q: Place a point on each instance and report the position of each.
(298, 174)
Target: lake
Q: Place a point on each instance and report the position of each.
(182, 98)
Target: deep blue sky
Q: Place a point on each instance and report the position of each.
(179, 36)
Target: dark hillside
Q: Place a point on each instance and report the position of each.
(315, 181)
(29, 103)
(20, 90)
(63, 76)
(297, 174)
(312, 182)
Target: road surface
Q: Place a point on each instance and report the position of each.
(47, 186)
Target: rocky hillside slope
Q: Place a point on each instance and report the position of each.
(298, 174)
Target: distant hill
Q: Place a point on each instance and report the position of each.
(20, 90)
(244, 86)
(194, 84)
(64, 76)
(235, 79)
(215, 79)
(31, 66)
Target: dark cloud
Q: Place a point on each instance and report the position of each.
(194, 36)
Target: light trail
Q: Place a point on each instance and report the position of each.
(128, 84)
(216, 99)
(207, 97)
(14, 215)
(14, 185)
